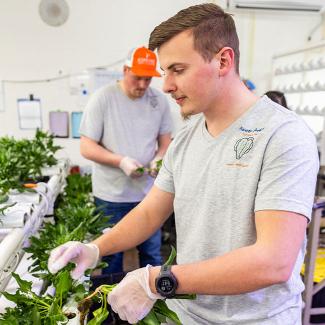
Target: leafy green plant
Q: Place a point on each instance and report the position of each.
(22, 160)
(4, 198)
(53, 235)
(158, 314)
(76, 220)
(32, 309)
(148, 170)
(78, 184)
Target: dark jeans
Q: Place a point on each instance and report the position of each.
(149, 250)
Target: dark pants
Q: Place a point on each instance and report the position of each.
(149, 251)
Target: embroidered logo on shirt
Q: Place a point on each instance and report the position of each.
(243, 146)
(153, 101)
(250, 132)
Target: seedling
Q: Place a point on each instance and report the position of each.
(147, 170)
(158, 314)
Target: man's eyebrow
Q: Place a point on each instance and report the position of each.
(171, 66)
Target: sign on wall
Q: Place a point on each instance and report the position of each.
(59, 124)
(29, 113)
(75, 122)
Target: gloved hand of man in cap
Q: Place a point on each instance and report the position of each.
(132, 298)
(85, 256)
(154, 169)
(129, 167)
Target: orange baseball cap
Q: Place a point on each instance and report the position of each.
(142, 62)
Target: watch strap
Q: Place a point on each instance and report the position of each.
(165, 269)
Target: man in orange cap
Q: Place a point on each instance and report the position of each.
(125, 126)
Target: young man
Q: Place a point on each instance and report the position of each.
(240, 180)
(125, 126)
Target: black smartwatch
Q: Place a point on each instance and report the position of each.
(166, 282)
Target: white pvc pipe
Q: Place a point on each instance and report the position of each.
(17, 215)
(299, 50)
(54, 184)
(13, 241)
(9, 245)
(14, 220)
(26, 197)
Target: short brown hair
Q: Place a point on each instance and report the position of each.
(278, 97)
(212, 30)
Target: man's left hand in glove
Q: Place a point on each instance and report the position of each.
(132, 298)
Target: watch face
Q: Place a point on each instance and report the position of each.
(166, 284)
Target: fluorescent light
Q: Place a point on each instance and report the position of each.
(311, 5)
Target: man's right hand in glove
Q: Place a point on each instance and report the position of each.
(85, 256)
(129, 167)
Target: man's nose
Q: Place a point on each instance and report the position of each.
(143, 84)
(169, 85)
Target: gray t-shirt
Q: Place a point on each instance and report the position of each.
(267, 159)
(129, 128)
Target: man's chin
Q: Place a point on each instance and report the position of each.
(138, 94)
(186, 114)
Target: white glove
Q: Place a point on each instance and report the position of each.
(129, 167)
(132, 298)
(153, 166)
(85, 256)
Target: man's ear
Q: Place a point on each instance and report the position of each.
(226, 57)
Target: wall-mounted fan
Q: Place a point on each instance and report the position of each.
(54, 12)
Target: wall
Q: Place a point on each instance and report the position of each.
(100, 33)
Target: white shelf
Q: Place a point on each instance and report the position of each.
(302, 87)
(300, 75)
(298, 67)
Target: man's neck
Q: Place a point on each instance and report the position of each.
(122, 87)
(230, 107)
(124, 90)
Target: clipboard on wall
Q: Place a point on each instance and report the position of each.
(75, 124)
(29, 114)
(59, 124)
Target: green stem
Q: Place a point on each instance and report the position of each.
(41, 302)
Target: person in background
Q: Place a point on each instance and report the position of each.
(249, 84)
(240, 188)
(125, 126)
(277, 97)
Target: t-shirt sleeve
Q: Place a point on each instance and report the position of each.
(92, 122)
(289, 171)
(166, 125)
(165, 179)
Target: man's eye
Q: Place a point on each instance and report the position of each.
(179, 70)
